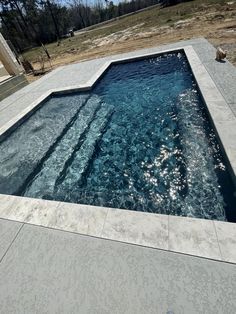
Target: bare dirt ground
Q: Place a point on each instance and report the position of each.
(217, 23)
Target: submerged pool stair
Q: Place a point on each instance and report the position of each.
(197, 156)
(80, 137)
(82, 157)
(26, 150)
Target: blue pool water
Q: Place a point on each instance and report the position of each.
(140, 140)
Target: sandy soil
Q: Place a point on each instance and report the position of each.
(218, 27)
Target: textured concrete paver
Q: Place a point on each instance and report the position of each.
(226, 233)
(8, 111)
(193, 236)
(79, 218)
(8, 231)
(49, 271)
(224, 75)
(141, 228)
(219, 112)
(24, 209)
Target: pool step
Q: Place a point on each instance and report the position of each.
(24, 150)
(203, 198)
(83, 157)
(43, 184)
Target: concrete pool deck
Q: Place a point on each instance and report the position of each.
(31, 253)
(49, 271)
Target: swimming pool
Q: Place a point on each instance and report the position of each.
(139, 140)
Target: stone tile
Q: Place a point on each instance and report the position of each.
(226, 233)
(9, 111)
(23, 209)
(136, 227)
(224, 67)
(34, 86)
(11, 209)
(49, 271)
(220, 111)
(229, 91)
(10, 99)
(209, 90)
(205, 51)
(200, 71)
(227, 134)
(8, 231)
(206, 85)
(83, 219)
(39, 212)
(194, 237)
(73, 75)
(224, 76)
(231, 153)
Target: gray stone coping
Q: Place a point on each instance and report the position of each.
(199, 237)
(220, 112)
(204, 238)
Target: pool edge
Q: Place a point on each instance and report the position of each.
(209, 239)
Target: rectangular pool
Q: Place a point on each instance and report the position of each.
(140, 140)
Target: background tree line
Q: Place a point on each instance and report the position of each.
(29, 23)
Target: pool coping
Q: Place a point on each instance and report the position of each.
(198, 237)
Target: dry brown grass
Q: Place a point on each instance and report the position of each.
(213, 19)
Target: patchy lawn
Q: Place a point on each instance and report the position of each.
(213, 19)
